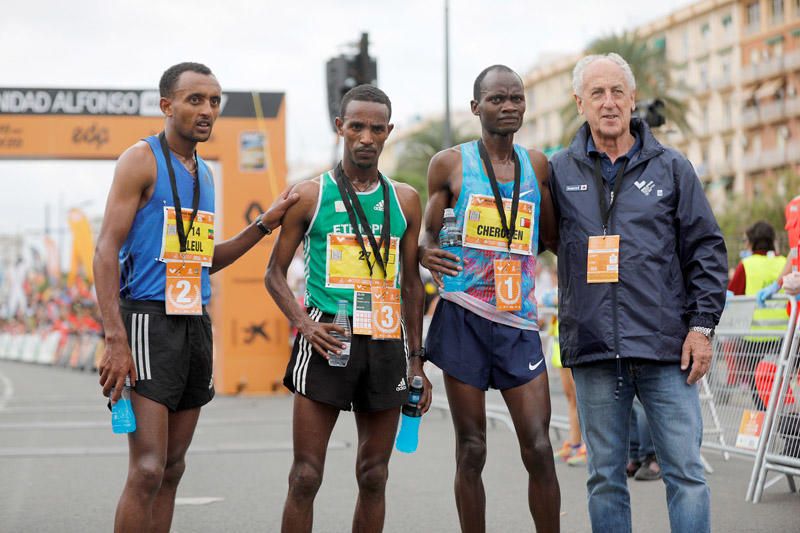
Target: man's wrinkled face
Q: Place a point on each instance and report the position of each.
(606, 100)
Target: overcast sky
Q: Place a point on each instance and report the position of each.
(275, 46)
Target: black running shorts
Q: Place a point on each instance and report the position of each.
(172, 354)
(374, 379)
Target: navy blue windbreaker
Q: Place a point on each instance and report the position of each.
(673, 261)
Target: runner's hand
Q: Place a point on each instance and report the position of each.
(439, 262)
(272, 217)
(427, 387)
(319, 335)
(117, 363)
(696, 348)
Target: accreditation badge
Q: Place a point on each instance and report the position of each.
(362, 309)
(182, 294)
(508, 284)
(346, 264)
(385, 310)
(603, 259)
(199, 242)
(484, 230)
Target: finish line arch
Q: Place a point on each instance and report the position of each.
(248, 147)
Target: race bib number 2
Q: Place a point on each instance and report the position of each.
(183, 295)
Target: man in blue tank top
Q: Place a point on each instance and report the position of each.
(152, 280)
(486, 334)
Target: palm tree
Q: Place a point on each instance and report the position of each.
(416, 154)
(653, 74)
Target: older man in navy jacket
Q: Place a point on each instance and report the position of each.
(642, 277)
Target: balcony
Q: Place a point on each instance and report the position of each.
(777, 157)
(771, 67)
(771, 112)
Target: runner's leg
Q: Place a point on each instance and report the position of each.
(376, 432)
(468, 409)
(529, 406)
(312, 423)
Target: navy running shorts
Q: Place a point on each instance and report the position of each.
(482, 353)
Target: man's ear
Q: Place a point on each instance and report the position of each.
(578, 103)
(339, 124)
(166, 106)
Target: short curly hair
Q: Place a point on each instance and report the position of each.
(170, 77)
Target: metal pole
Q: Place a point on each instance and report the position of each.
(447, 139)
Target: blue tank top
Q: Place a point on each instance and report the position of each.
(479, 294)
(142, 275)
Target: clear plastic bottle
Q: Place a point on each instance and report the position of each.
(408, 437)
(341, 320)
(451, 242)
(122, 418)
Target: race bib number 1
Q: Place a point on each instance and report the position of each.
(508, 284)
(385, 311)
(183, 295)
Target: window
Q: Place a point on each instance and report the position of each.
(727, 23)
(753, 15)
(705, 31)
(661, 43)
(703, 68)
(725, 67)
(777, 11)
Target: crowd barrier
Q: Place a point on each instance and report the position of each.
(73, 350)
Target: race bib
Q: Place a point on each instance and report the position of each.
(603, 259)
(182, 294)
(484, 231)
(385, 311)
(508, 284)
(199, 242)
(346, 263)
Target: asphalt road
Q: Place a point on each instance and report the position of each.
(62, 469)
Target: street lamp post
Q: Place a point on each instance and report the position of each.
(447, 140)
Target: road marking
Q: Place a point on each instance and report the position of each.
(8, 391)
(198, 500)
(80, 451)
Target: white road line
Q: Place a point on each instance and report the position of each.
(198, 500)
(8, 391)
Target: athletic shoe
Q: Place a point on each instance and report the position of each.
(649, 471)
(578, 458)
(565, 452)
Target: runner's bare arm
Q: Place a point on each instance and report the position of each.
(411, 284)
(548, 224)
(232, 249)
(134, 177)
(439, 197)
(295, 223)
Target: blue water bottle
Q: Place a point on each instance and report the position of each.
(408, 437)
(451, 242)
(122, 417)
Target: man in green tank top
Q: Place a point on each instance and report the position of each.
(359, 232)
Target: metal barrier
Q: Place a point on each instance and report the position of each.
(732, 385)
(779, 446)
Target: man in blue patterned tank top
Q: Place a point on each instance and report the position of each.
(165, 356)
(486, 335)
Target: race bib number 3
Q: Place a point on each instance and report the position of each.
(603, 259)
(483, 229)
(199, 242)
(347, 265)
(508, 284)
(183, 295)
(385, 311)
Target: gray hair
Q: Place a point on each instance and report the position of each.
(580, 67)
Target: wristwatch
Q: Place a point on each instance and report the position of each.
(420, 352)
(708, 332)
(265, 230)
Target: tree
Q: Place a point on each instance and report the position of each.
(416, 154)
(653, 75)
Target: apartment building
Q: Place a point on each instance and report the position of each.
(736, 65)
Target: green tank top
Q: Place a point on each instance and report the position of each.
(333, 258)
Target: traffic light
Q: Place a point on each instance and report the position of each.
(344, 72)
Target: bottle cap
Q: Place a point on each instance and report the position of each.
(449, 212)
(416, 382)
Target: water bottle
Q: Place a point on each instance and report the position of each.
(122, 417)
(408, 437)
(451, 242)
(341, 320)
